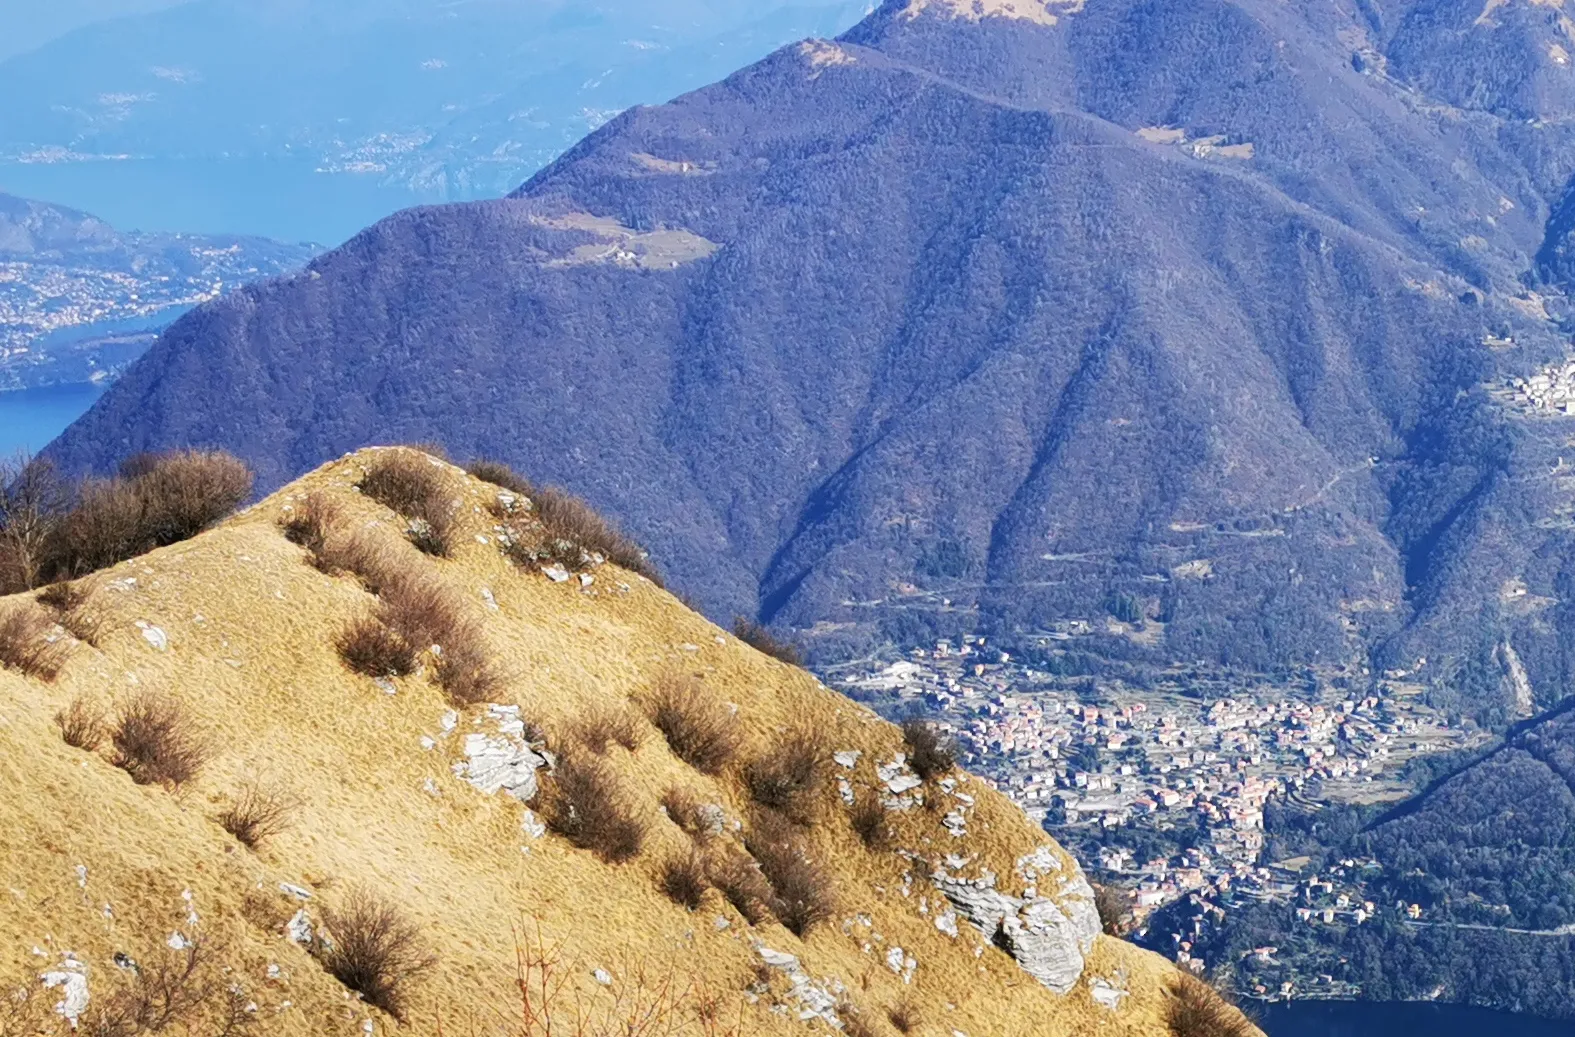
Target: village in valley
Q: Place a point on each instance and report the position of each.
(1162, 789)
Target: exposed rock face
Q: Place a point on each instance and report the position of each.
(1049, 936)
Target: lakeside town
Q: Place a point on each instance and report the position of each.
(1162, 789)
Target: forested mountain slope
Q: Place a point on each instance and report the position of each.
(1169, 331)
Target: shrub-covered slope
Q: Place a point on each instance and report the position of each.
(989, 318)
(299, 754)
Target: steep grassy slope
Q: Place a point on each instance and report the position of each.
(239, 629)
(982, 323)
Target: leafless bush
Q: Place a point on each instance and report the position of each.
(501, 476)
(1197, 1009)
(1113, 904)
(905, 1016)
(156, 741)
(158, 500)
(185, 492)
(27, 645)
(803, 894)
(762, 640)
(258, 813)
(686, 810)
(698, 726)
(186, 990)
(587, 804)
(68, 602)
(931, 752)
(567, 519)
(870, 822)
(788, 778)
(854, 1022)
(82, 724)
(422, 609)
(465, 670)
(368, 646)
(684, 880)
(608, 726)
(411, 485)
(311, 520)
(739, 879)
(32, 499)
(375, 951)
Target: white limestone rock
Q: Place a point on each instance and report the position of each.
(70, 976)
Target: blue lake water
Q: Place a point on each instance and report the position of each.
(31, 418)
(1367, 1019)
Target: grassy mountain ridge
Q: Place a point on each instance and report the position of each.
(389, 795)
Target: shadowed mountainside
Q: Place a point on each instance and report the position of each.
(1160, 331)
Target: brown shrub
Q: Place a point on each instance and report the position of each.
(870, 822)
(368, 646)
(586, 803)
(159, 500)
(762, 640)
(802, 892)
(686, 810)
(854, 1022)
(465, 671)
(684, 880)
(259, 813)
(931, 752)
(82, 724)
(375, 560)
(739, 879)
(1113, 903)
(375, 951)
(568, 520)
(422, 609)
(32, 499)
(310, 521)
(187, 990)
(411, 485)
(789, 777)
(501, 475)
(1197, 1009)
(26, 643)
(156, 741)
(608, 726)
(185, 492)
(699, 727)
(68, 601)
(905, 1016)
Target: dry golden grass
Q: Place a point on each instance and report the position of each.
(612, 725)
(247, 647)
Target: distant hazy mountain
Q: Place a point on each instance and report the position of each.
(25, 24)
(308, 119)
(77, 297)
(1126, 329)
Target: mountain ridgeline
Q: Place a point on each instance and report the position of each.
(1121, 328)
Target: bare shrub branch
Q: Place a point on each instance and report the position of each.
(369, 647)
(501, 476)
(688, 812)
(931, 752)
(762, 640)
(26, 644)
(698, 726)
(258, 813)
(156, 741)
(789, 777)
(608, 726)
(375, 950)
(870, 822)
(408, 483)
(684, 880)
(739, 879)
(82, 724)
(586, 803)
(803, 894)
(310, 521)
(68, 602)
